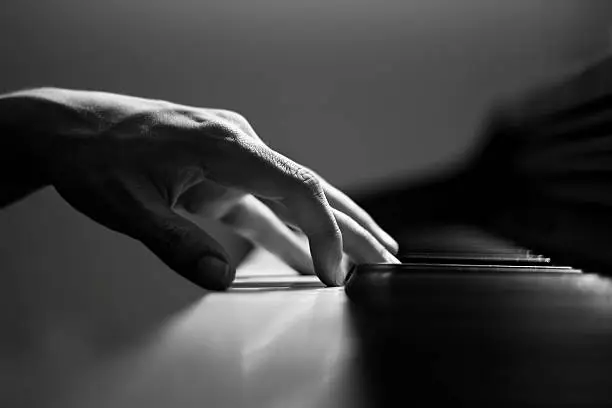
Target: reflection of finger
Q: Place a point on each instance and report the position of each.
(340, 201)
(358, 242)
(242, 162)
(255, 221)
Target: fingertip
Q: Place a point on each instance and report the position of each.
(391, 243)
(214, 273)
(334, 278)
(327, 260)
(337, 273)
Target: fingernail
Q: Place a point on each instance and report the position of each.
(214, 273)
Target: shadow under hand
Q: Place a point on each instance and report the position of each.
(269, 283)
(84, 288)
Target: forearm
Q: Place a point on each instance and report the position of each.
(20, 173)
(34, 125)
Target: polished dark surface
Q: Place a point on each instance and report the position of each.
(499, 340)
(282, 340)
(522, 332)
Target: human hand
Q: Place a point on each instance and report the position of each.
(138, 166)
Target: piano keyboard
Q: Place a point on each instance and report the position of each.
(460, 249)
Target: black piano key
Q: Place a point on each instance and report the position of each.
(475, 259)
(448, 269)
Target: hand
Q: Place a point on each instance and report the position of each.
(142, 167)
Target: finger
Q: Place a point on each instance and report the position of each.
(185, 247)
(340, 201)
(251, 166)
(132, 206)
(257, 222)
(208, 199)
(358, 242)
(308, 205)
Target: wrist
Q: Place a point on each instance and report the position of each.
(29, 139)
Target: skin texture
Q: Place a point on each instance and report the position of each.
(145, 167)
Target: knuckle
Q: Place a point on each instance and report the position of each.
(310, 182)
(237, 120)
(222, 132)
(219, 129)
(231, 116)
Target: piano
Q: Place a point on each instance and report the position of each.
(504, 297)
(472, 320)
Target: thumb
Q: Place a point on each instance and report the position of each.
(185, 248)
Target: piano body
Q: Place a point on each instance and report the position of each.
(471, 320)
(505, 295)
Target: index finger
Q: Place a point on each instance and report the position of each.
(344, 203)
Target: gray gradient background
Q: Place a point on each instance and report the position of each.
(363, 91)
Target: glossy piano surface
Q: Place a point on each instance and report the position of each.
(493, 340)
(466, 330)
(281, 340)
